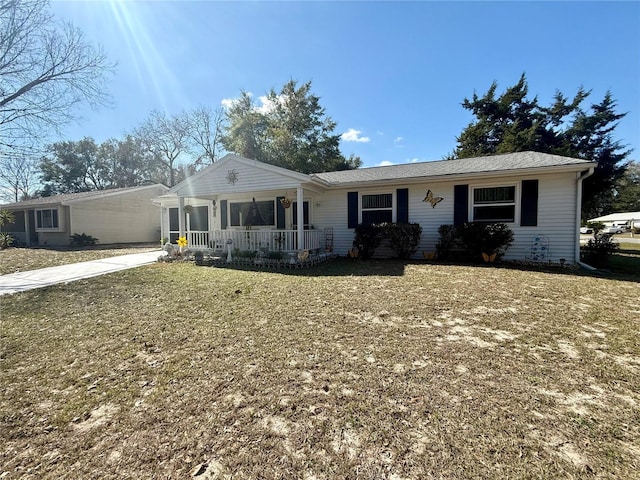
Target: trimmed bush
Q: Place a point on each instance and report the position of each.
(82, 240)
(368, 238)
(470, 240)
(478, 238)
(404, 238)
(448, 240)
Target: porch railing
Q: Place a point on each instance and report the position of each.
(271, 240)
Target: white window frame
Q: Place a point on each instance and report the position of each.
(38, 215)
(514, 203)
(361, 208)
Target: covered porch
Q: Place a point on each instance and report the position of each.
(242, 206)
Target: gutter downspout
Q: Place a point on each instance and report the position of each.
(581, 177)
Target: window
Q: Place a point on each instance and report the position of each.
(47, 219)
(494, 204)
(377, 208)
(199, 219)
(244, 214)
(305, 214)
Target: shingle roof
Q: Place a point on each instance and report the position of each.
(493, 163)
(67, 197)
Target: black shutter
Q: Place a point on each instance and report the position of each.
(223, 214)
(402, 212)
(352, 209)
(280, 219)
(460, 204)
(529, 203)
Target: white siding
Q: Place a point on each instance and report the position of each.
(556, 214)
(125, 218)
(250, 178)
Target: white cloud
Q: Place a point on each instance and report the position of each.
(398, 140)
(227, 103)
(267, 105)
(385, 163)
(353, 135)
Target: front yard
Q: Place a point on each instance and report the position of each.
(14, 260)
(348, 370)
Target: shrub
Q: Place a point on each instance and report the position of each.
(448, 240)
(6, 240)
(82, 240)
(275, 255)
(473, 239)
(404, 238)
(598, 250)
(368, 238)
(478, 238)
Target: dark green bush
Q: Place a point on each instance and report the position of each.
(477, 238)
(448, 240)
(470, 240)
(82, 240)
(404, 238)
(275, 255)
(368, 238)
(598, 250)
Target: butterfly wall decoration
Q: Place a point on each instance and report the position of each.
(431, 199)
(489, 258)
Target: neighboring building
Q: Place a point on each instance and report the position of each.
(629, 219)
(122, 215)
(243, 201)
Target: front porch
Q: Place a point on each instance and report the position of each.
(254, 240)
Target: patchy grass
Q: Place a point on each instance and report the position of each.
(350, 370)
(14, 260)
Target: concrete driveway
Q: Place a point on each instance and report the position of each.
(22, 281)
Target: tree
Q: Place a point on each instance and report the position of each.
(291, 130)
(82, 166)
(128, 163)
(46, 69)
(513, 123)
(73, 167)
(246, 130)
(627, 196)
(167, 139)
(19, 176)
(205, 129)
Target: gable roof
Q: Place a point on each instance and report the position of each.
(66, 198)
(210, 170)
(505, 163)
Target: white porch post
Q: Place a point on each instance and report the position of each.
(300, 219)
(181, 217)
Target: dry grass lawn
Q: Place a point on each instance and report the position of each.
(350, 370)
(13, 260)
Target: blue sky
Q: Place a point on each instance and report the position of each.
(394, 72)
